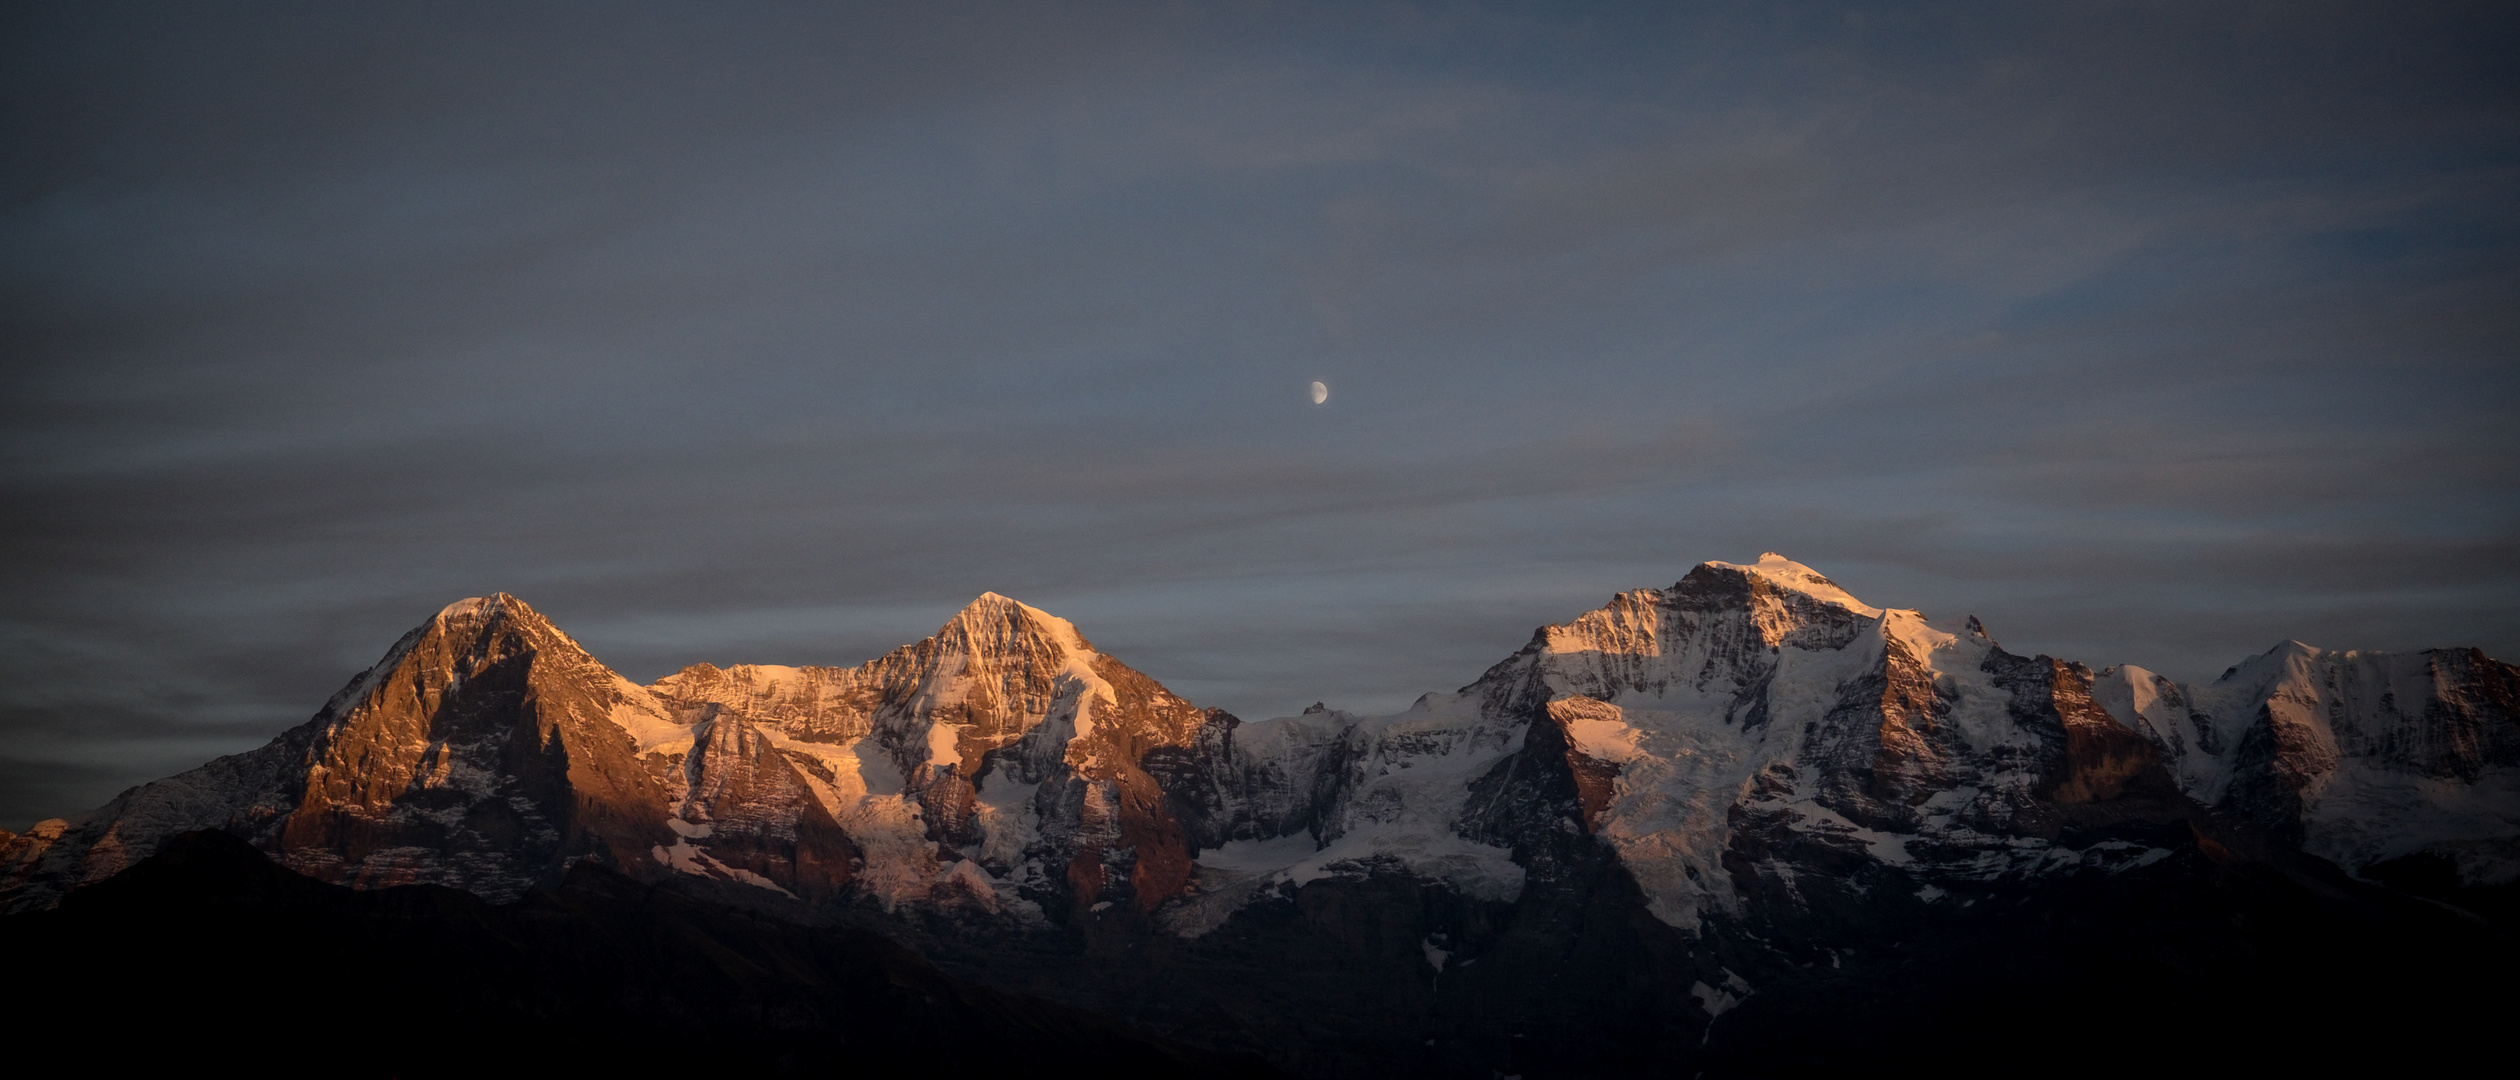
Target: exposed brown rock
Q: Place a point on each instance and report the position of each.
(2102, 758)
(1595, 780)
(759, 816)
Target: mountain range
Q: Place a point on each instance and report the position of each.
(1743, 825)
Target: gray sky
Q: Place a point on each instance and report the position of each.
(2148, 333)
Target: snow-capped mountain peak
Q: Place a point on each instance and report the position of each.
(1784, 573)
(486, 750)
(2361, 758)
(995, 763)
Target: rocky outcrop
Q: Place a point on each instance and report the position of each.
(486, 751)
(2363, 759)
(748, 812)
(1000, 766)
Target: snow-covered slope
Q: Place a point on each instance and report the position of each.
(2361, 758)
(1295, 799)
(1713, 735)
(999, 764)
(1755, 708)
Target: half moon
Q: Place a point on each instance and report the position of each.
(1320, 393)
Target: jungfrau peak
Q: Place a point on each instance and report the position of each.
(1709, 722)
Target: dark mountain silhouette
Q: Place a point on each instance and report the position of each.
(211, 953)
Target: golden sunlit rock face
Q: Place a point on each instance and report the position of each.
(1006, 697)
(487, 756)
(487, 751)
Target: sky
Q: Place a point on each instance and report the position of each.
(2147, 333)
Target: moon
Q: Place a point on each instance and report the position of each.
(1320, 393)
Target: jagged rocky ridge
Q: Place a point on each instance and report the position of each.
(486, 751)
(1708, 790)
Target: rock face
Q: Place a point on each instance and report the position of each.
(1001, 766)
(486, 751)
(2363, 759)
(1668, 831)
(1752, 709)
